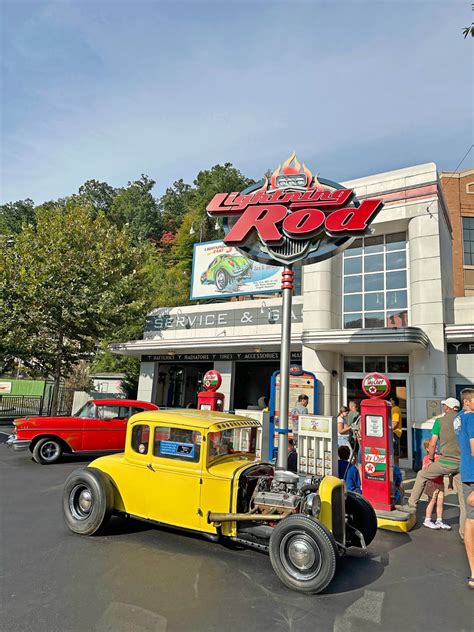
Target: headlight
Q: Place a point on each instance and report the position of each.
(312, 505)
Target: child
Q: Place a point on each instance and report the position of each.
(435, 491)
(347, 471)
(399, 490)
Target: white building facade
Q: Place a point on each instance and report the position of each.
(385, 304)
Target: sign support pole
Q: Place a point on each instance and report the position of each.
(287, 290)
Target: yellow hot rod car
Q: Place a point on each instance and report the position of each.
(196, 470)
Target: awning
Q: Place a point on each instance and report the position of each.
(221, 344)
(366, 341)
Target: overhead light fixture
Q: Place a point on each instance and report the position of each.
(217, 225)
(191, 230)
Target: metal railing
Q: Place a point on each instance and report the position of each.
(12, 406)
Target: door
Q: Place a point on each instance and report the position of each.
(106, 432)
(174, 490)
(400, 389)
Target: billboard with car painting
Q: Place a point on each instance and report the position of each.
(220, 271)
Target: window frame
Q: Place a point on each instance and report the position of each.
(140, 425)
(469, 219)
(363, 315)
(181, 460)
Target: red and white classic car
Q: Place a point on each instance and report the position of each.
(99, 426)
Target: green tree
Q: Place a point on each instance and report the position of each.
(99, 194)
(14, 215)
(174, 204)
(173, 269)
(134, 206)
(64, 285)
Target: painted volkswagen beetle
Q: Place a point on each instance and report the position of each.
(196, 470)
(226, 268)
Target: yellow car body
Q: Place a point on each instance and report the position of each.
(196, 470)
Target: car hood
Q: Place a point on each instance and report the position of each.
(229, 467)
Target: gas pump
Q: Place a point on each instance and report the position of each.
(377, 454)
(209, 398)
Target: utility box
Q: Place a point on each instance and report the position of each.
(317, 445)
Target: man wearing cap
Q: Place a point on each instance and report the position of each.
(448, 462)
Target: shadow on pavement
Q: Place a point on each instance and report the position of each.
(358, 569)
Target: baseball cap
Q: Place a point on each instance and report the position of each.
(452, 402)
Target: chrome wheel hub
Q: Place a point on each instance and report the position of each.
(85, 501)
(49, 450)
(80, 502)
(301, 554)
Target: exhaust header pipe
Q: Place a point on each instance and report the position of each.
(243, 517)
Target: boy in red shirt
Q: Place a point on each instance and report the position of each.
(435, 491)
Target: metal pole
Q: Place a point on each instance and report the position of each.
(287, 288)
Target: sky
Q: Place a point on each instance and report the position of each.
(112, 89)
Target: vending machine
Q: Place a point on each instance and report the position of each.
(209, 398)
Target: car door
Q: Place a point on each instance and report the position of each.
(175, 471)
(106, 432)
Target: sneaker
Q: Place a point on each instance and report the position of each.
(411, 509)
(431, 525)
(443, 525)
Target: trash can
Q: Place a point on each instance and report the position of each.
(421, 431)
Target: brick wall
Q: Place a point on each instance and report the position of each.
(458, 190)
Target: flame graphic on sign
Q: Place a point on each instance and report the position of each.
(295, 169)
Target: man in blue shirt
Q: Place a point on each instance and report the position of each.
(347, 471)
(464, 429)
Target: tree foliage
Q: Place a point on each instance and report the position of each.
(81, 272)
(15, 215)
(65, 284)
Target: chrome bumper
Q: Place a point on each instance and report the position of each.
(18, 445)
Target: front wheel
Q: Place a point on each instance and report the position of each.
(303, 554)
(87, 501)
(47, 451)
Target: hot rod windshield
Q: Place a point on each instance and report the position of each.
(232, 441)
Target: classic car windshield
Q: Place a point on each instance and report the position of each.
(234, 441)
(87, 411)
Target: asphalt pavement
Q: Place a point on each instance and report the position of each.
(138, 578)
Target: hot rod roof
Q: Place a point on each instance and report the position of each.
(204, 419)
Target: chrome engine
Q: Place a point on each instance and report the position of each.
(281, 493)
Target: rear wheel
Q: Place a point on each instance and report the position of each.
(87, 501)
(303, 554)
(47, 450)
(222, 279)
(361, 516)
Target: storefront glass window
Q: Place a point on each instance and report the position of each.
(353, 265)
(352, 302)
(468, 240)
(354, 364)
(352, 321)
(373, 282)
(375, 363)
(381, 261)
(384, 364)
(374, 319)
(398, 364)
(353, 284)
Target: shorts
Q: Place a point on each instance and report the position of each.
(432, 487)
(468, 488)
